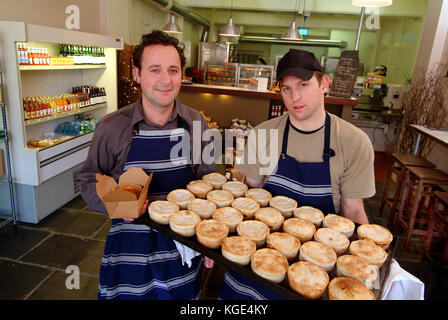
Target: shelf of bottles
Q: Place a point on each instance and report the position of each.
(82, 99)
(70, 57)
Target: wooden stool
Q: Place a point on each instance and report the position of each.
(439, 219)
(400, 161)
(419, 181)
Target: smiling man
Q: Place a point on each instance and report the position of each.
(138, 262)
(323, 161)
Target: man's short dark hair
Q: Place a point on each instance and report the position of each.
(157, 37)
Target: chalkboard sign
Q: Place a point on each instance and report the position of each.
(345, 75)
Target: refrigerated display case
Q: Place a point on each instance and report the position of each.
(221, 73)
(250, 71)
(44, 174)
(236, 74)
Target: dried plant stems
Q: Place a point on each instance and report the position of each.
(425, 106)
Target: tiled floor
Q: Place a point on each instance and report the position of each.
(34, 258)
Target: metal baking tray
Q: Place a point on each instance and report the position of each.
(282, 288)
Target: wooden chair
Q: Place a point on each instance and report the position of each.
(397, 168)
(438, 223)
(418, 185)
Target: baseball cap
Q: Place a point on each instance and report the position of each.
(298, 63)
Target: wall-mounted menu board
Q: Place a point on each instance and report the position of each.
(345, 75)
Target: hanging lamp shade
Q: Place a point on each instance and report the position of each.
(171, 26)
(292, 33)
(371, 3)
(229, 30)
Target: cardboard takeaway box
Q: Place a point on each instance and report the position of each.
(119, 203)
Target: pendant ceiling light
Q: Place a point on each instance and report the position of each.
(229, 30)
(292, 33)
(371, 3)
(171, 26)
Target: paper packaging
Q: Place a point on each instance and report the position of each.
(262, 84)
(119, 203)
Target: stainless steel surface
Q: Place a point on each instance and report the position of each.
(361, 21)
(187, 14)
(305, 42)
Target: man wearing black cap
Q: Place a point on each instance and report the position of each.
(322, 161)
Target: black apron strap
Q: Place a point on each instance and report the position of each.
(328, 152)
(285, 139)
(181, 123)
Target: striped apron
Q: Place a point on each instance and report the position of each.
(307, 182)
(139, 262)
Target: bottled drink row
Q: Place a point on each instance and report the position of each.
(41, 107)
(79, 55)
(83, 54)
(32, 56)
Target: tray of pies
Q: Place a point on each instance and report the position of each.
(296, 251)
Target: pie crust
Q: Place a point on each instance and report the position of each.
(181, 197)
(283, 204)
(160, 211)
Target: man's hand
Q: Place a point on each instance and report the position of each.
(235, 174)
(208, 263)
(144, 207)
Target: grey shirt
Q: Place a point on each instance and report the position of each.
(112, 140)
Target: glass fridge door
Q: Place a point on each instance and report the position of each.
(221, 73)
(249, 73)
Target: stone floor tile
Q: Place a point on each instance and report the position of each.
(14, 242)
(17, 279)
(60, 251)
(55, 288)
(79, 223)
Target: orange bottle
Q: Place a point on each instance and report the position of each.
(33, 109)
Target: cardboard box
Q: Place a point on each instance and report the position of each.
(119, 203)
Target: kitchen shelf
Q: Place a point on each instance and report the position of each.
(65, 114)
(65, 67)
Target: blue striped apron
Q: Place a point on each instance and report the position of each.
(139, 262)
(307, 182)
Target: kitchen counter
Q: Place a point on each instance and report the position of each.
(224, 103)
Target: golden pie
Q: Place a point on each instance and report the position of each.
(345, 288)
(269, 264)
(216, 179)
(333, 239)
(135, 189)
(199, 188)
(378, 234)
(262, 196)
(368, 250)
(253, 230)
(308, 279)
(283, 204)
(230, 216)
(318, 253)
(311, 214)
(246, 206)
(339, 223)
(237, 188)
(204, 208)
(184, 222)
(238, 249)
(210, 233)
(160, 211)
(271, 217)
(285, 243)
(181, 197)
(357, 267)
(302, 229)
(222, 198)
